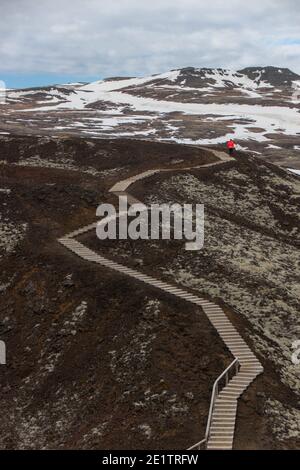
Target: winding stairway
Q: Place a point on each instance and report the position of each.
(244, 369)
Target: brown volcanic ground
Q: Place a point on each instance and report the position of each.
(250, 265)
(96, 360)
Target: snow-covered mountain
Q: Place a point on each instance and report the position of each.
(259, 107)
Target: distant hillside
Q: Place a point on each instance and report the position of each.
(257, 106)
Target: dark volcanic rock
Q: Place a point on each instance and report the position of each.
(276, 76)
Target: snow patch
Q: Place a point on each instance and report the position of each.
(296, 172)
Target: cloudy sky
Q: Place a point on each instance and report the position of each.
(47, 41)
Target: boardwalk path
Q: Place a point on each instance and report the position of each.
(247, 367)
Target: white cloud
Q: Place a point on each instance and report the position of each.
(129, 37)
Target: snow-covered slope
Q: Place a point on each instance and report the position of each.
(259, 107)
(251, 83)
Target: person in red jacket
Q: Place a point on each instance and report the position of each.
(231, 146)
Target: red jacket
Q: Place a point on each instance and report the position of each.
(230, 144)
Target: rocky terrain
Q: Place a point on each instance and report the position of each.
(257, 106)
(93, 360)
(249, 265)
(97, 361)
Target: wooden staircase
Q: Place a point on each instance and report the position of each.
(238, 376)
